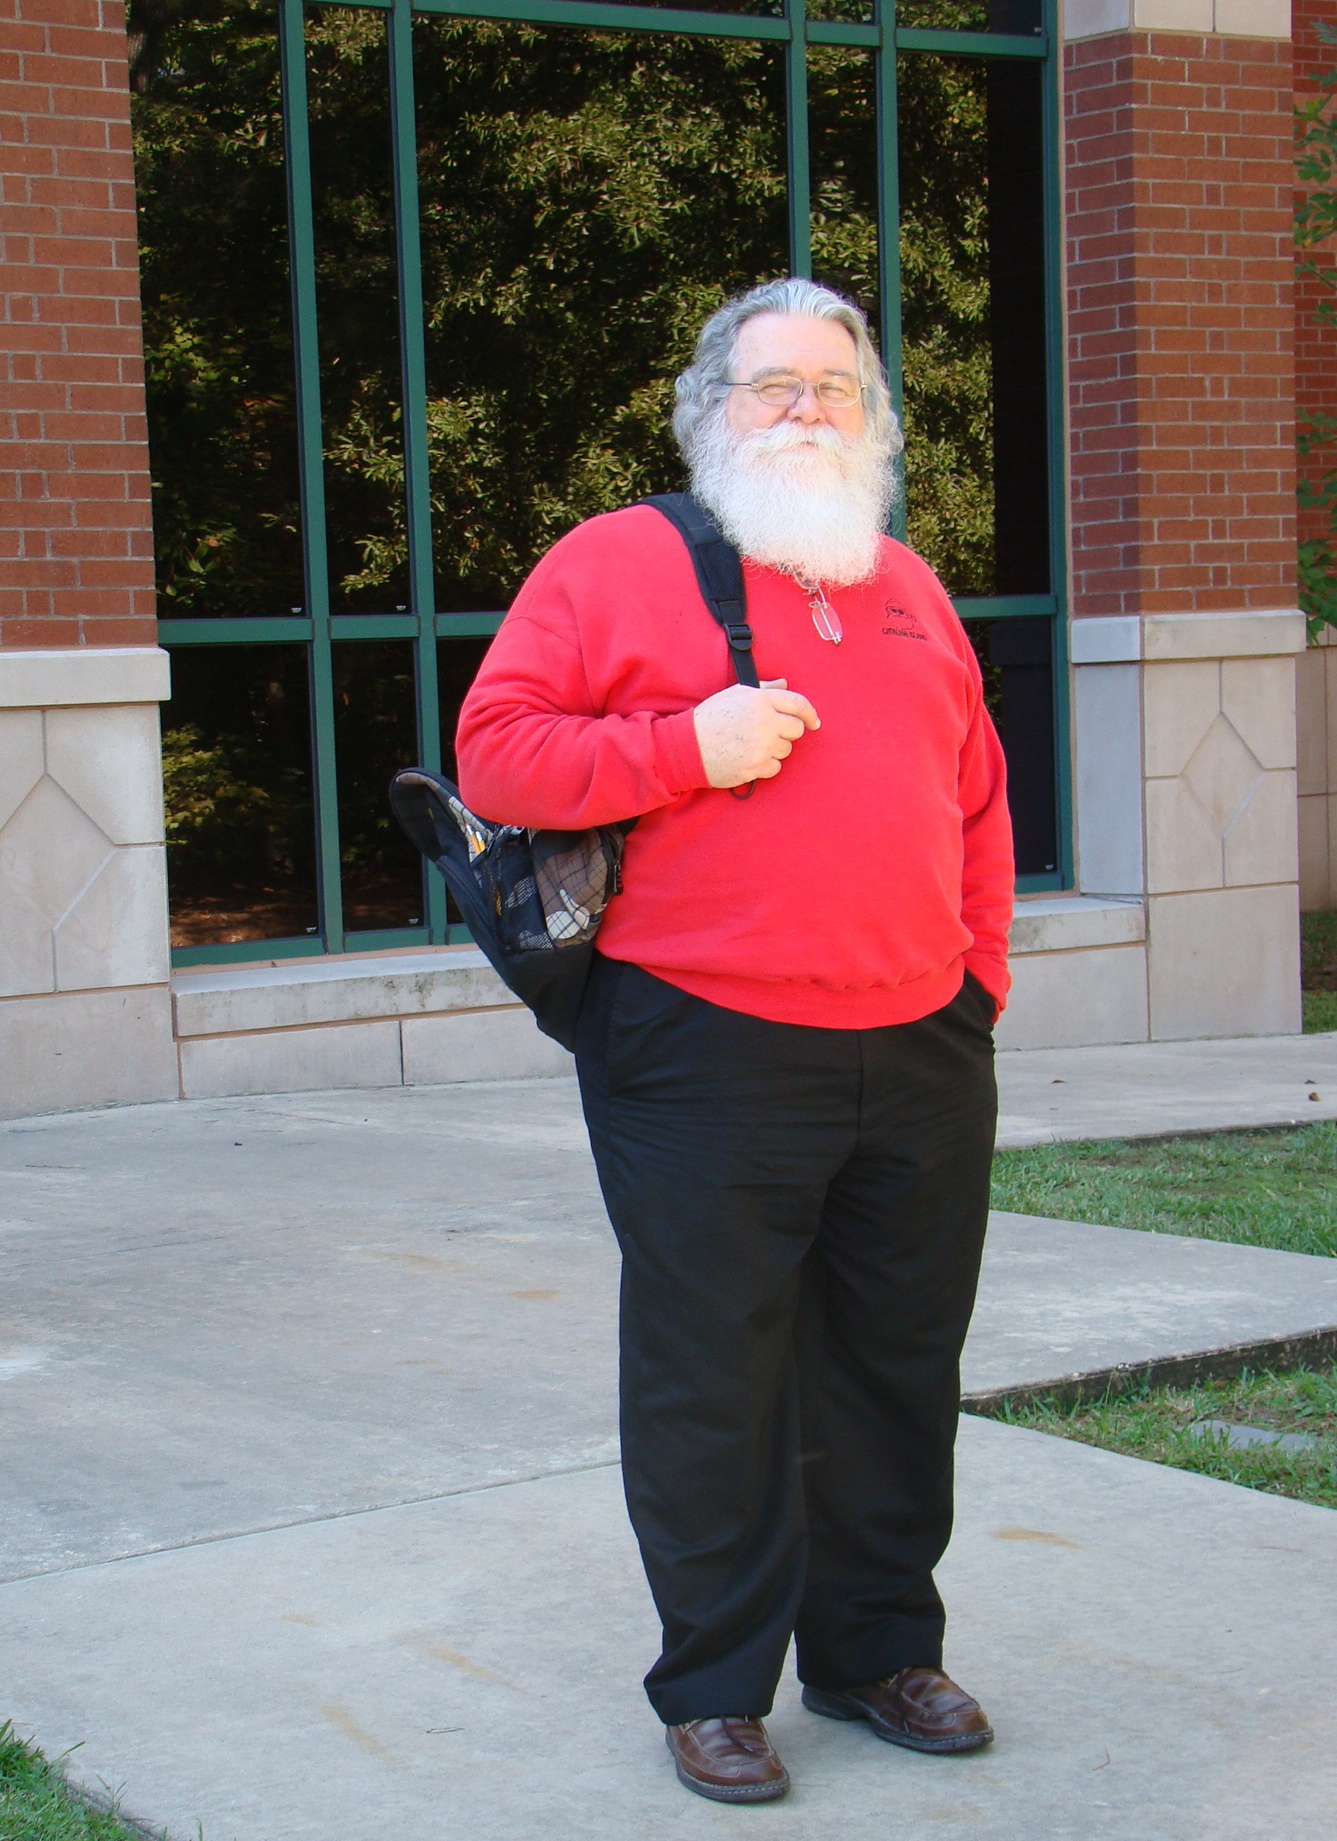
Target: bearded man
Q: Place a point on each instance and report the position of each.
(785, 1052)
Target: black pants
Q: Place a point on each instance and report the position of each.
(801, 1214)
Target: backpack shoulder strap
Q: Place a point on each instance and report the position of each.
(719, 574)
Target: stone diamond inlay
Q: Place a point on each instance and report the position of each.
(1223, 774)
(49, 851)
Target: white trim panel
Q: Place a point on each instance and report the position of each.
(84, 675)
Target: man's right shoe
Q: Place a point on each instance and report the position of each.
(728, 1760)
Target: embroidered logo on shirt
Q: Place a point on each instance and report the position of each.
(903, 625)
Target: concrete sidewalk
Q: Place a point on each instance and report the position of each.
(1151, 1089)
(312, 1525)
(467, 1670)
(230, 1315)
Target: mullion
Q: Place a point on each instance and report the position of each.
(889, 239)
(602, 13)
(1004, 607)
(972, 44)
(255, 630)
(796, 137)
(1050, 147)
(315, 560)
(417, 466)
(612, 16)
(238, 630)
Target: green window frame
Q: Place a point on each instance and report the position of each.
(318, 630)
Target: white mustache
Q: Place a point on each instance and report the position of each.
(785, 437)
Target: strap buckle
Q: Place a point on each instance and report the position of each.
(739, 635)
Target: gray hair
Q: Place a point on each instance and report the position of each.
(700, 390)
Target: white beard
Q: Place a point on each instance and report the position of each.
(796, 497)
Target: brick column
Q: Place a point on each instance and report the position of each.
(84, 1006)
(1181, 401)
(77, 542)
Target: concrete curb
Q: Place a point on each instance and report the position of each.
(1217, 1364)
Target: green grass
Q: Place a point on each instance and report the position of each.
(36, 1804)
(1257, 1188)
(1153, 1424)
(1318, 970)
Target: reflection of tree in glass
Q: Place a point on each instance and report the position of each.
(586, 198)
(218, 341)
(842, 142)
(375, 733)
(945, 313)
(237, 783)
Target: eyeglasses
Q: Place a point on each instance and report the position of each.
(783, 392)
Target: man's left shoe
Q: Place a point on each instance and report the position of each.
(919, 1707)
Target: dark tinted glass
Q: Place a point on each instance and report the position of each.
(857, 12)
(842, 141)
(357, 305)
(1016, 658)
(457, 662)
(217, 320)
(1018, 18)
(375, 732)
(587, 198)
(237, 785)
(974, 350)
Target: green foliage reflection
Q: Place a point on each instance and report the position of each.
(586, 198)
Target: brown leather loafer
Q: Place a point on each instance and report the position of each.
(919, 1707)
(728, 1760)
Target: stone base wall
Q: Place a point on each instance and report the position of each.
(1185, 728)
(85, 1010)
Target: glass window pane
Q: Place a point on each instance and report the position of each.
(855, 12)
(357, 306)
(1016, 658)
(586, 198)
(842, 131)
(375, 733)
(457, 662)
(217, 319)
(1017, 303)
(973, 302)
(1017, 17)
(237, 787)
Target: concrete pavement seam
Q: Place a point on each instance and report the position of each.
(1218, 1364)
(310, 1521)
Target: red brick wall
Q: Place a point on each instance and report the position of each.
(1315, 342)
(1179, 249)
(76, 552)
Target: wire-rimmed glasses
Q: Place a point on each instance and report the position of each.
(837, 390)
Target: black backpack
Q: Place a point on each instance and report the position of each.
(533, 900)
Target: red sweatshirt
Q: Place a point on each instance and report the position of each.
(849, 891)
